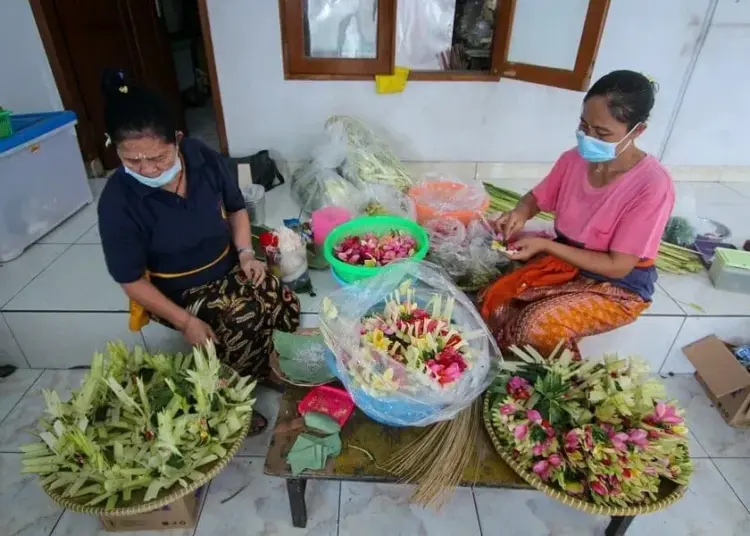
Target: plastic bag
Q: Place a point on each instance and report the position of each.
(367, 159)
(442, 195)
(319, 184)
(287, 259)
(384, 200)
(682, 227)
(364, 325)
(466, 253)
(424, 30)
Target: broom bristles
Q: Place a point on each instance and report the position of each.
(437, 459)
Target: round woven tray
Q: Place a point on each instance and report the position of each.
(273, 361)
(669, 491)
(165, 497)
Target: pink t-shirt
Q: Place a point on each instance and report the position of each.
(627, 215)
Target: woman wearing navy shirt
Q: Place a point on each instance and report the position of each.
(176, 236)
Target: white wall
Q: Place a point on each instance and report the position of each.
(712, 127)
(26, 81)
(506, 121)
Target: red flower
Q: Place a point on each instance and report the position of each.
(268, 239)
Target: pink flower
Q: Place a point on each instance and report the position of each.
(555, 460)
(571, 440)
(538, 449)
(519, 388)
(534, 416)
(542, 468)
(619, 440)
(638, 437)
(507, 409)
(665, 414)
(599, 488)
(520, 432)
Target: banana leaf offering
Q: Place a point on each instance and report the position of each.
(140, 425)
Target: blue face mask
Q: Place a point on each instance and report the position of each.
(161, 180)
(595, 150)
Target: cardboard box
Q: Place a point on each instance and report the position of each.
(725, 380)
(181, 514)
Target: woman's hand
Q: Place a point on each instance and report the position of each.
(197, 332)
(527, 248)
(255, 271)
(511, 222)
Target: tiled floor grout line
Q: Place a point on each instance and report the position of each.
(338, 513)
(203, 506)
(747, 509)
(2, 421)
(2, 307)
(15, 340)
(54, 527)
(671, 346)
(476, 511)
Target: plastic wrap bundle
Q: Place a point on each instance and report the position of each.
(408, 345)
(465, 253)
(319, 183)
(367, 159)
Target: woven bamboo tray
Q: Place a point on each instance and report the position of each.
(669, 491)
(165, 497)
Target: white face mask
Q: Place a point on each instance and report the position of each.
(161, 180)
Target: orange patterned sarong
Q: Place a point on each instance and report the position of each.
(547, 301)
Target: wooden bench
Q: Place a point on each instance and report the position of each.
(380, 441)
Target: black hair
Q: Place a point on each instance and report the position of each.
(630, 96)
(131, 111)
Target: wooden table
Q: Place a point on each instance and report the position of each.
(490, 471)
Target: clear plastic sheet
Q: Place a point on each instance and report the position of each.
(319, 183)
(387, 200)
(465, 253)
(424, 31)
(386, 389)
(342, 28)
(441, 195)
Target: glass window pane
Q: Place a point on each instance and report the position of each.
(341, 28)
(452, 35)
(535, 41)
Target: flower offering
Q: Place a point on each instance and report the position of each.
(372, 250)
(424, 342)
(601, 431)
(409, 346)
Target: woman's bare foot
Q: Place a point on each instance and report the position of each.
(258, 424)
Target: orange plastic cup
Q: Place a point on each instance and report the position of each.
(443, 190)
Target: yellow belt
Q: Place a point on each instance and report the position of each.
(139, 316)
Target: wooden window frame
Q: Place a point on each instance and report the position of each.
(297, 66)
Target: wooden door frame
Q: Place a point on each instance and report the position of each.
(68, 87)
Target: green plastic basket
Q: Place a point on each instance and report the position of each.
(6, 128)
(379, 225)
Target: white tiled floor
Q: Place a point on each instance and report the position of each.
(58, 305)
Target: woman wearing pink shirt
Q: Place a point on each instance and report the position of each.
(611, 203)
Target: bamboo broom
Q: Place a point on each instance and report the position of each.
(437, 459)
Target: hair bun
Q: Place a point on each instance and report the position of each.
(113, 83)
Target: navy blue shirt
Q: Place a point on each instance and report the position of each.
(144, 228)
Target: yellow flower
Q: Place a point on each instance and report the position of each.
(384, 382)
(680, 429)
(379, 340)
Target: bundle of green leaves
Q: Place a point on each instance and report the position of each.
(139, 424)
(600, 431)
